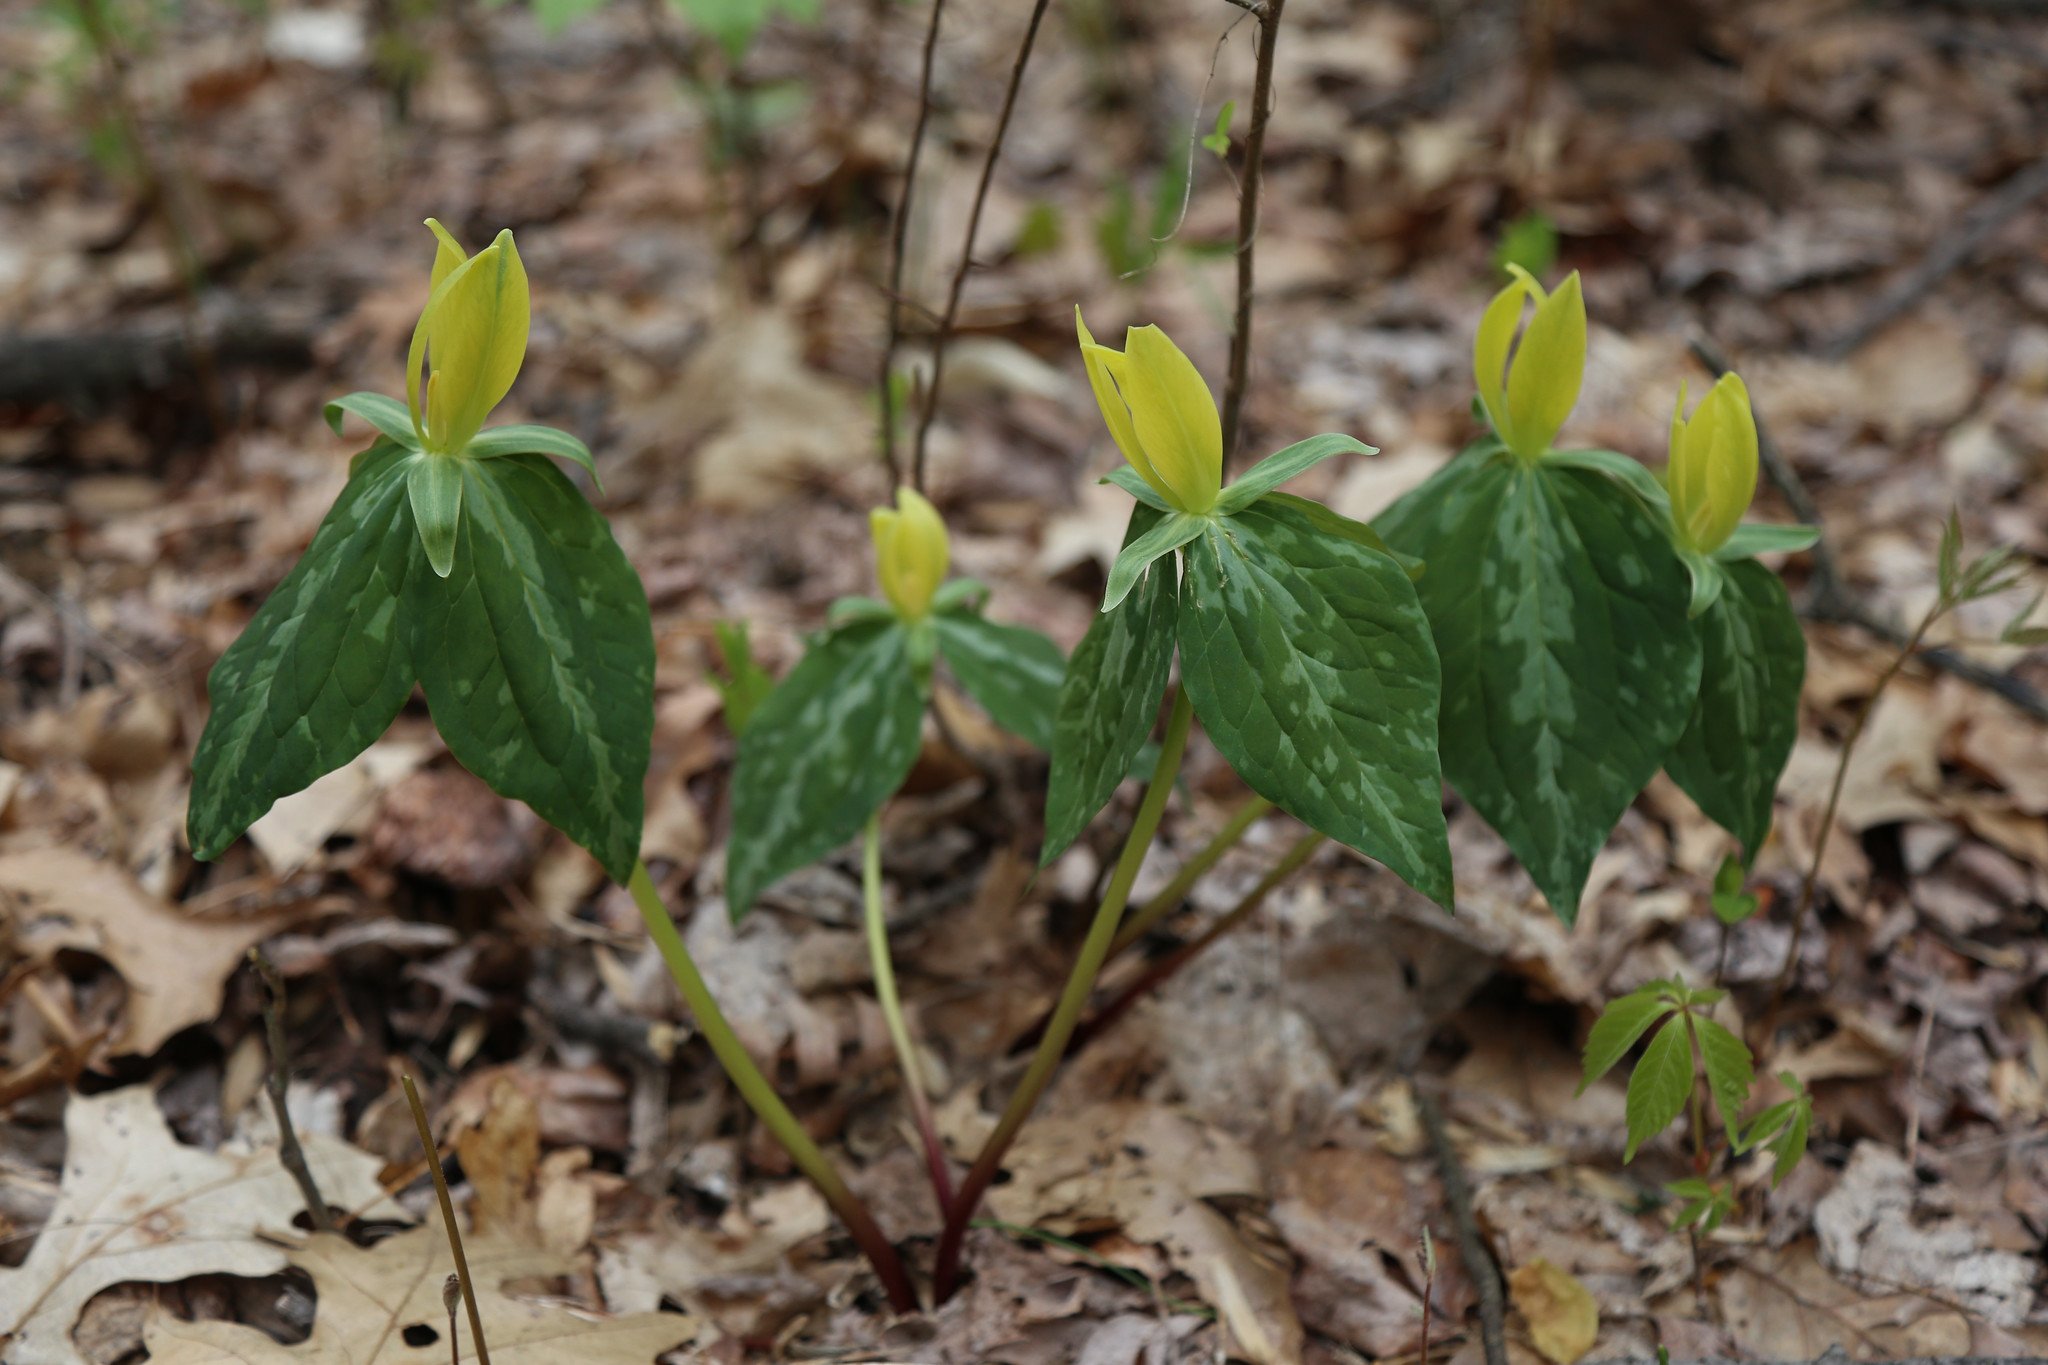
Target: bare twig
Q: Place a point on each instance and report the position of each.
(1425, 1257)
(1268, 15)
(1458, 1194)
(1920, 1045)
(899, 238)
(951, 316)
(288, 1150)
(419, 1118)
(1953, 249)
(1829, 599)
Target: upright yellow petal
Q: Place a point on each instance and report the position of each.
(1549, 366)
(476, 326)
(1175, 417)
(448, 254)
(1105, 370)
(1713, 471)
(911, 552)
(1490, 348)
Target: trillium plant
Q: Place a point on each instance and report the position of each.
(1545, 628)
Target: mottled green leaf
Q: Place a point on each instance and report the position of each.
(1109, 700)
(1619, 1025)
(1746, 716)
(1658, 1088)
(1569, 668)
(537, 656)
(1310, 664)
(1013, 672)
(322, 668)
(1277, 468)
(831, 743)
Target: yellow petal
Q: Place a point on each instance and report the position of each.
(1105, 368)
(1731, 465)
(447, 254)
(1175, 418)
(1549, 366)
(911, 552)
(476, 325)
(1490, 348)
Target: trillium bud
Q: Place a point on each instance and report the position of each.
(1160, 414)
(911, 552)
(1712, 476)
(470, 340)
(1528, 400)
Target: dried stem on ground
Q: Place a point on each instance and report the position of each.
(426, 1130)
(288, 1149)
(1268, 14)
(951, 316)
(1479, 1263)
(899, 238)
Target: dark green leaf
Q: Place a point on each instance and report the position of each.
(537, 657)
(1013, 672)
(1658, 1089)
(833, 741)
(435, 483)
(1790, 1143)
(1744, 720)
(324, 666)
(1310, 665)
(1109, 700)
(1569, 668)
(527, 439)
(1172, 531)
(1619, 1025)
(1277, 468)
(386, 414)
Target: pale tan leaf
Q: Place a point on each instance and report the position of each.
(1563, 1319)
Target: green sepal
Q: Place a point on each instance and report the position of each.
(435, 484)
(921, 646)
(960, 594)
(1277, 468)
(1629, 472)
(1109, 700)
(1128, 479)
(1172, 531)
(537, 656)
(1014, 672)
(847, 611)
(526, 438)
(1745, 716)
(1569, 667)
(1706, 578)
(830, 744)
(1310, 664)
(322, 668)
(389, 416)
(1754, 538)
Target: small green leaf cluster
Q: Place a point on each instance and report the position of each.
(1688, 1044)
(1591, 634)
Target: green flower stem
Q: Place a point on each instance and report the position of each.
(760, 1096)
(1073, 999)
(1142, 920)
(914, 1088)
(1159, 972)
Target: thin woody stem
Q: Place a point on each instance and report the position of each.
(1268, 16)
(1073, 999)
(760, 1096)
(948, 318)
(884, 967)
(899, 238)
(419, 1118)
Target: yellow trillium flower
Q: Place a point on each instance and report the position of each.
(911, 552)
(1528, 400)
(1160, 413)
(470, 340)
(1712, 475)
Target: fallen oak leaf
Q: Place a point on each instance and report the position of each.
(1563, 1319)
(374, 1303)
(138, 1205)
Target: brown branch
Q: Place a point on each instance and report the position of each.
(1458, 1195)
(952, 314)
(1268, 14)
(899, 237)
(468, 1286)
(289, 1152)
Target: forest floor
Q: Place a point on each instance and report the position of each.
(1246, 1163)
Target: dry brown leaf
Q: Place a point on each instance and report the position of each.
(60, 898)
(138, 1205)
(370, 1297)
(1563, 1319)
